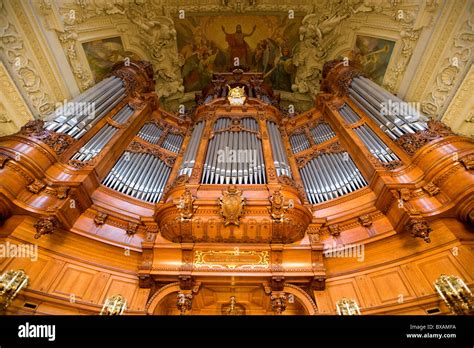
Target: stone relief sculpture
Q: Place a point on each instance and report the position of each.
(159, 36)
(314, 47)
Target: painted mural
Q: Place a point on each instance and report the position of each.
(261, 43)
(373, 55)
(103, 54)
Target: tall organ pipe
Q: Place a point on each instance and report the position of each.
(375, 145)
(279, 154)
(393, 115)
(95, 145)
(81, 113)
(189, 157)
(234, 157)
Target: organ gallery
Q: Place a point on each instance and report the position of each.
(159, 165)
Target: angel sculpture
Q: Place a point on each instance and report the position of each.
(312, 49)
(160, 39)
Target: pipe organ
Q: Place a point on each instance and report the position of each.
(236, 193)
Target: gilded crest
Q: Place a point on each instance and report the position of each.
(232, 205)
(236, 95)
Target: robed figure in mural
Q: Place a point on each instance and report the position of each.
(237, 45)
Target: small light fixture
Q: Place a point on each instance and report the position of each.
(233, 307)
(347, 306)
(455, 294)
(11, 283)
(114, 305)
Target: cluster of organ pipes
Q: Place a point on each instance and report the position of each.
(143, 175)
(280, 156)
(299, 142)
(322, 132)
(349, 115)
(173, 142)
(90, 149)
(234, 157)
(150, 132)
(393, 115)
(129, 176)
(84, 111)
(375, 145)
(330, 175)
(189, 158)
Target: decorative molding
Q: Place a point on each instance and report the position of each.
(15, 52)
(412, 142)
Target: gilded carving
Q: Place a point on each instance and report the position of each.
(431, 189)
(184, 302)
(36, 186)
(278, 301)
(334, 230)
(185, 205)
(45, 225)
(232, 206)
(366, 220)
(132, 228)
(412, 142)
(279, 205)
(468, 162)
(419, 228)
(62, 192)
(99, 218)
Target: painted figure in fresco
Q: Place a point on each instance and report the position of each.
(237, 45)
(284, 68)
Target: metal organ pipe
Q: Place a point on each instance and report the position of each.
(370, 97)
(375, 145)
(299, 142)
(241, 152)
(87, 109)
(322, 132)
(330, 175)
(189, 157)
(279, 154)
(349, 115)
(143, 175)
(93, 147)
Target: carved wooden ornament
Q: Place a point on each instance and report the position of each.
(231, 205)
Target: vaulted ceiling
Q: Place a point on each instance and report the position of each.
(421, 50)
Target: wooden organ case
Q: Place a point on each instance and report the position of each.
(237, 193)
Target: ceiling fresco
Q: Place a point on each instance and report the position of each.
(260, 43)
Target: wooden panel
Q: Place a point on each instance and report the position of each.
(433, 267)
(344, 288)
(119, 285)
(49, 274)
(465, 257)
(32, 268)
(391, 285)
(73, 280)
(139, 301)
(97, 285)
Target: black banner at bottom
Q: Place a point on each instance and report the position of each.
(136, 331)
